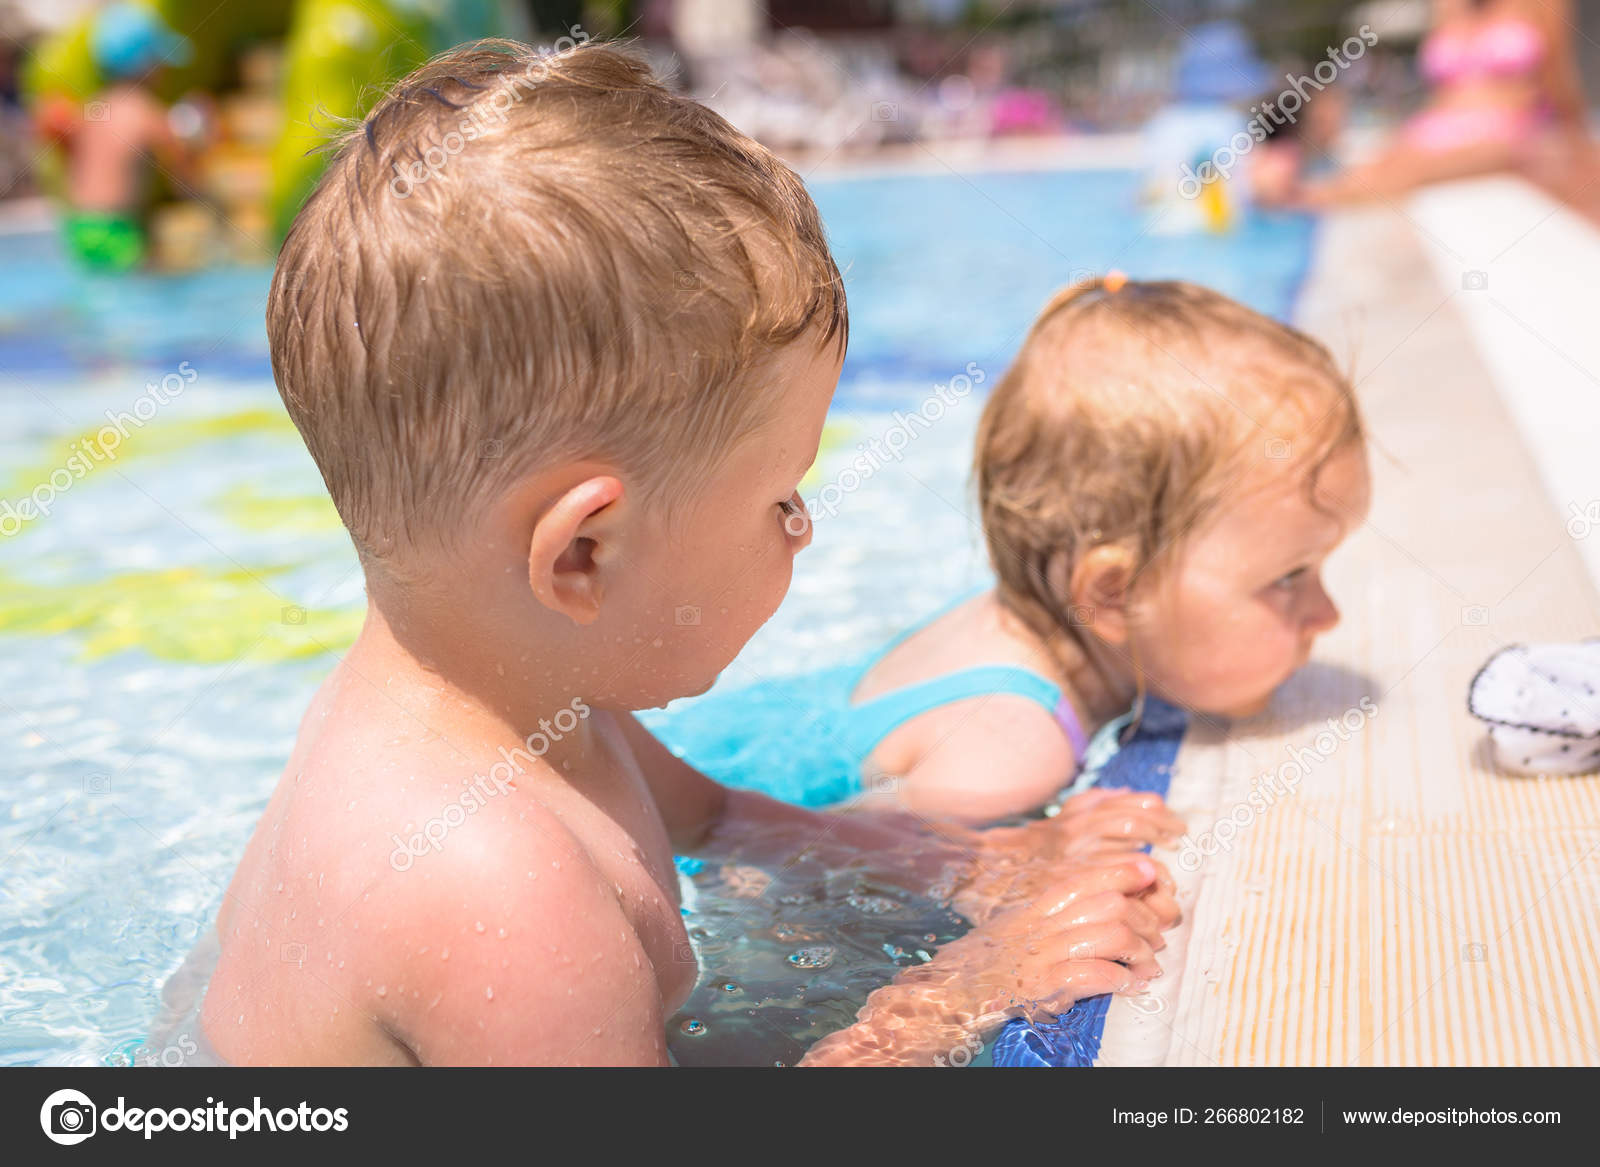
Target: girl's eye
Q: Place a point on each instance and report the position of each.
(1287, 582)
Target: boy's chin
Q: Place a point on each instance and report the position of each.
(681, 688)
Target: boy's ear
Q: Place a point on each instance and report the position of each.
(570, 544)
(1100, 585)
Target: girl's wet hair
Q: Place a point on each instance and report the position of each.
(1133, 409)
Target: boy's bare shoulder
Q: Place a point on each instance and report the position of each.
(526, 956)
(498, 933)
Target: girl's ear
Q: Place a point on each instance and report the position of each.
(572, 542)
(1101, 582)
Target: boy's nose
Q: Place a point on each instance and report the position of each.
(803, 539)
(799, 526)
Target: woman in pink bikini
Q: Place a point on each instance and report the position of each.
(1506, 96)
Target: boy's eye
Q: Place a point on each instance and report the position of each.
(1287, 582)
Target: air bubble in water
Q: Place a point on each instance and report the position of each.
(816, 956)
(872, 905)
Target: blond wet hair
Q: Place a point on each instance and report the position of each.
(520, 257)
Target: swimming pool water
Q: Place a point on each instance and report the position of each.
(165, 624)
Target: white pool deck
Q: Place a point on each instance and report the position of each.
(1407, 904)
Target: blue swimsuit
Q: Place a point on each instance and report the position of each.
(800, 739)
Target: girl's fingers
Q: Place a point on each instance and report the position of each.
(1116, 942)
(1101, 798)
(1077, 979)
(1110, 907)
(1127, 876)
(1164, 904)
(1146, 826)
(1093, 797)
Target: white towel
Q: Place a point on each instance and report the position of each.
(1542, 705)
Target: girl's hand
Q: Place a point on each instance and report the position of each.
(1102, 820)
(1089, 932)
(1009, 864)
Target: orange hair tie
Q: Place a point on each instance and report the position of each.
(1115, 281)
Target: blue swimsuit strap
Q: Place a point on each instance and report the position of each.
(870, 722)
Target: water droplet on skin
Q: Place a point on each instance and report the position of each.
(694, 1027)
(556, 863)
(488, 992)
(383, 990)
(478, 926)
(279, 887)
(444, 954)
(501, 933)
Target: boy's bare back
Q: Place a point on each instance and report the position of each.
(544, 928)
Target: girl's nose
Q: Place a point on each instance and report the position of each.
(1323, 614)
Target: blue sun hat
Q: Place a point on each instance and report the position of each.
(128, 39)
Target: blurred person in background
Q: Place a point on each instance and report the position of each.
(1505, 95)
(110, 140)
